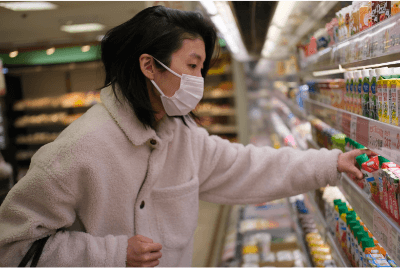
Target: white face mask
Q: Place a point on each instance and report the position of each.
(186, 97)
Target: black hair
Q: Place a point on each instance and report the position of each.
(158, 31)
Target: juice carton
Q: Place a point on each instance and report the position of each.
(394, 97)
(342, 209)
(370, 170)
(368, 248)
(365, 96)
(382, 74)
(346, 95)
(352, 222)
(372, 96)
(336, 217)
(365, 15)
(353, 249)
(358, 250)
(355, 18)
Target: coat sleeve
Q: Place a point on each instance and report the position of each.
(231, 173)
(36, 207)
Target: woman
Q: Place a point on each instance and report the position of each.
(122, 183)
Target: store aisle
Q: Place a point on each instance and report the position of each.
(203, 240)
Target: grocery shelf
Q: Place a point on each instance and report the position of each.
(300, 235)
(380, 137)
(224, 112)
(369, 47)
(218, 94)
(292, 106)
(337, 252)
(382, 226)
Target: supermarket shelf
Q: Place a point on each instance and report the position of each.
(380, 137)
(292, 106)
(374, 49)
(337, 252)
(382, 226)
(218, 95)
(300, 235)
(225, 112)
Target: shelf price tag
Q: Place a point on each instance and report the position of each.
(353, 127)
(391, 142)
(375, 132)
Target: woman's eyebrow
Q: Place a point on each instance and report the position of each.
(195, 55)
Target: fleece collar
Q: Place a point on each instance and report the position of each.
(126, 119)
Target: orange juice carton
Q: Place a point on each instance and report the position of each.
(365, 15)
(395, 7)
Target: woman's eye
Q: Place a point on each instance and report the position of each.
(193, 66)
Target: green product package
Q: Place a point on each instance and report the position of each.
(339, 142)
(372, 96)
(382, 160)
(361, 159)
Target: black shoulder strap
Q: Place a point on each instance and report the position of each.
(35, 251)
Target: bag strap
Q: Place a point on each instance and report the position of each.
(35, 251)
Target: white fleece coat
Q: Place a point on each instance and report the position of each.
(91, 181)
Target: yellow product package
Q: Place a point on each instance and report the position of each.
(395, 102)
(385, 100)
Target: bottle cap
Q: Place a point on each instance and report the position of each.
(372, 73)
(365, 73)
(351, 223)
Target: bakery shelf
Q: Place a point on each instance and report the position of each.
(221, 129)
(337, 252)
(382, 138)
(218, 95)
(382, 226)
(223, 112)
(300, 235)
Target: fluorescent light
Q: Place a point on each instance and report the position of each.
(13, 54)
(78, 28)
(282, 13)
(226, 24)
(85, 48)
(210, 7)
(28, 6)
(50, 51)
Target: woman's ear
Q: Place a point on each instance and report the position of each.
(147, 65)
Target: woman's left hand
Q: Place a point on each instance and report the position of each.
(347, 162)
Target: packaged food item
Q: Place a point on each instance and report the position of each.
(365, 15)
(382, 74)
(355, 18)
(394, 97)
(385, 8)
(351, 96)
(347, 18)
(395, 7)
(386, 88)
(356, 94)
(372, 108)
(370, 170)
(365, 89)
(375, 7)
(392, 263)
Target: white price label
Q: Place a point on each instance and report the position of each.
(375, 139)
(353, 127)
(391, 142)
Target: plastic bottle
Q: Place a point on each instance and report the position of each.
(351, 92)
(381, 74)
(394, 97)
(372, 95)
(385, 95)
(365, 89)
(356, 95)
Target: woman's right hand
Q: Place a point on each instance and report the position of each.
(142, 252)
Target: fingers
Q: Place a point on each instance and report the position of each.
(148, 257)
(356, 172)
(151, 264)
(144, 239)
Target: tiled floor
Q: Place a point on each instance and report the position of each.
(208, 218)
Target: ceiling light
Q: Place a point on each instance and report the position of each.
(50, 51)
(78, 28)
(28, 6)
(85, 48)
(210, 7)
(13, 54)
(282, 13)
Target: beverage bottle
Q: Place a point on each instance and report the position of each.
(351, 92)
(359, 91)
(394, 97)
(372, 95)
(346, 95)
(365, 89)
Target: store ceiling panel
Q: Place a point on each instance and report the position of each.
(37, 28)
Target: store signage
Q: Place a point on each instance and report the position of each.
(353, 127)
(346, 122)
(375, 141)
(362, 131)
